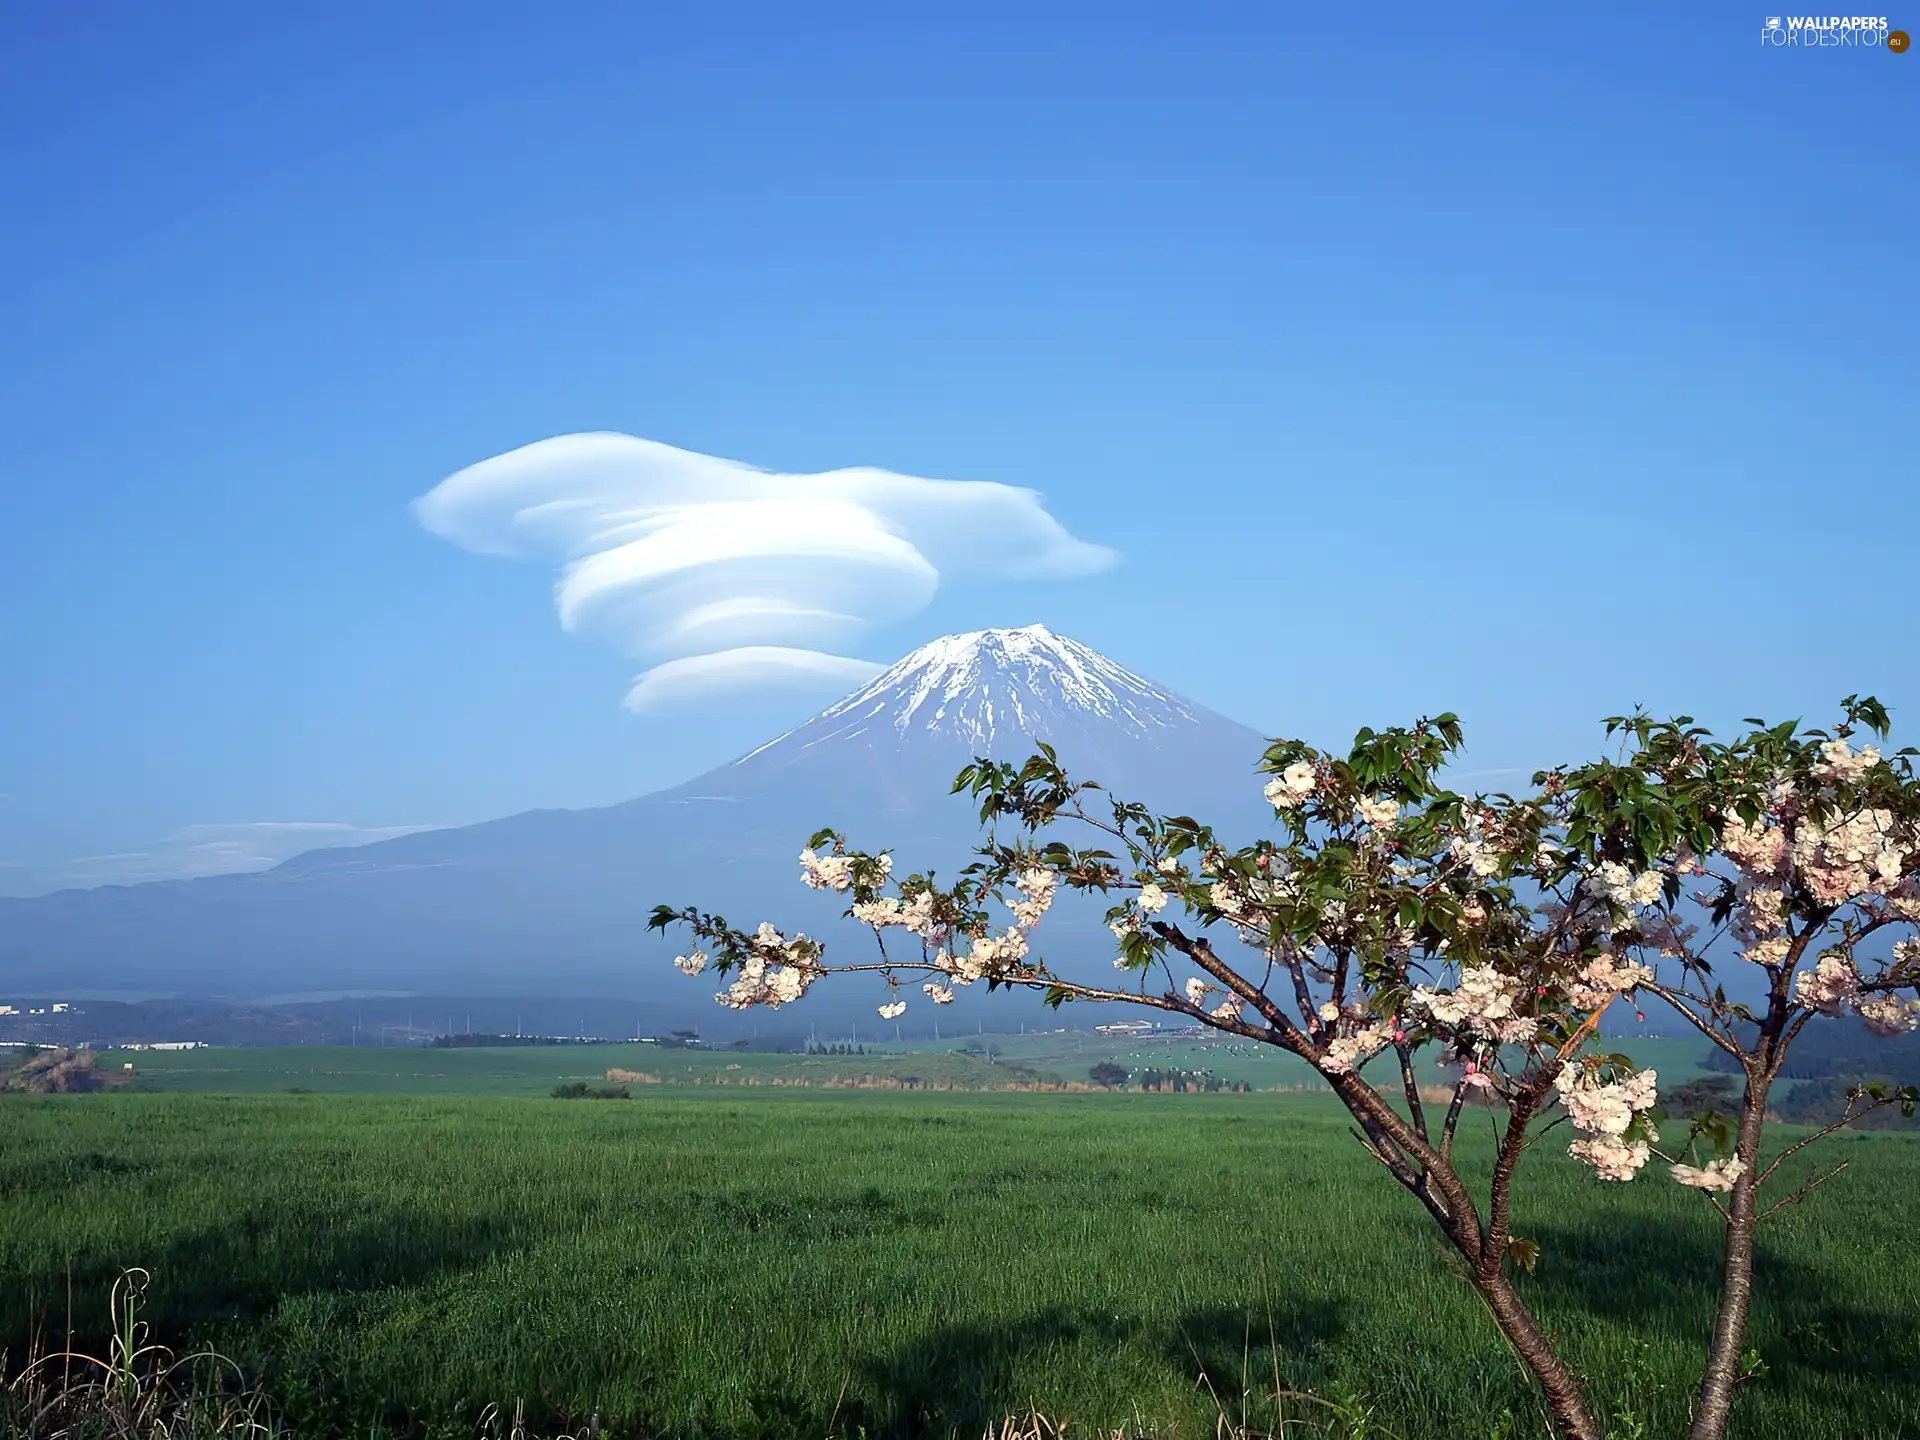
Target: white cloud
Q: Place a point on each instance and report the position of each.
(746, 668)
(200, 850)
(674, 555)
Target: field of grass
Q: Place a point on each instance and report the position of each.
(532, 1070)
(1056, 1057)
(727, 1262)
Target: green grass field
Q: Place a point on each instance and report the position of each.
(728, 1262)
(535, 1070)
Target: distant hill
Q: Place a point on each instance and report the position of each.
(554, 901)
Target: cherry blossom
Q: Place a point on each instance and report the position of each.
(1714, 1175)
(1288, 789)
(1389, 914)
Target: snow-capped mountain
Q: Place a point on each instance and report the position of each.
(897, 741)
(554, 901)
(989, 684)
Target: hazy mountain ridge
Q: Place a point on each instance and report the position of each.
(558, 898)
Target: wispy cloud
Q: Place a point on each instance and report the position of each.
(674, 555)
(746, 667)
(200, 850)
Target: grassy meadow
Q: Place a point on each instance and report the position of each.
(710, 1261)
(1050, 1057)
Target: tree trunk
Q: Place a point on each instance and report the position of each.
(1736, 1283)
(1572, 1420)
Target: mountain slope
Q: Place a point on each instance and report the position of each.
(555, 901)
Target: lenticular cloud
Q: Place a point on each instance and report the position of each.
(727, 577)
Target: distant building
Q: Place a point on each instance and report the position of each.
(1127, 1027)
(166, 1045)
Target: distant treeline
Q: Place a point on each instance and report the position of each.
(1828, 1049)
(489, 1042)
(1829, 1059)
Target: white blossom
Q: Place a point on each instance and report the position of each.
(1756, 849)
(880, 913)
(1604, 977)
(1615, 882)
(1380, 814)
(1715, 1175)
(1860, 854)
(893, 1010)
(1888, 1015)
(1841, 763)
(1036, 895)
(1611, 1158)
(1482, 1000)
(1196, 990)
(826, 872)
(1831, 982)
(1291, 786)
(1605, 1112)
(1350, 1051)
(940, 994)
(692, 964)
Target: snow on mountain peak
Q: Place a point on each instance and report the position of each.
(984, 685)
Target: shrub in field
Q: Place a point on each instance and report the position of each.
(1108, 1074)
(1390, 914)
(580, 1090)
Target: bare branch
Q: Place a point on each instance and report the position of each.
(1415, 1105)
(1694, 1020)
(1805, 1190)
(1846, 1119)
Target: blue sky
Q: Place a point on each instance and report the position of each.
(1527, 367)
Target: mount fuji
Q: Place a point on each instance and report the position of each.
(554, 901)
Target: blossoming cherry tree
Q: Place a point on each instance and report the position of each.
(1388, 915)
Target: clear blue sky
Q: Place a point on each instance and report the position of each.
(1410, 359)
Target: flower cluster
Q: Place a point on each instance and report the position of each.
(986, 955)
(1480, 852)
(827, 872)
(1615, 883)
(1349, 1052)
(1860, 854)
(1605, 1112)
(1481, 1004)
(1380, 814)
(1758, 849)
(1761, 913)
(1842, 764)
(1714, 1175)
(776, 972)
(1604, 977)
(1828, 986)
(1036, 888)
(1888, 1015)
(1290, 788)
(916, 914)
